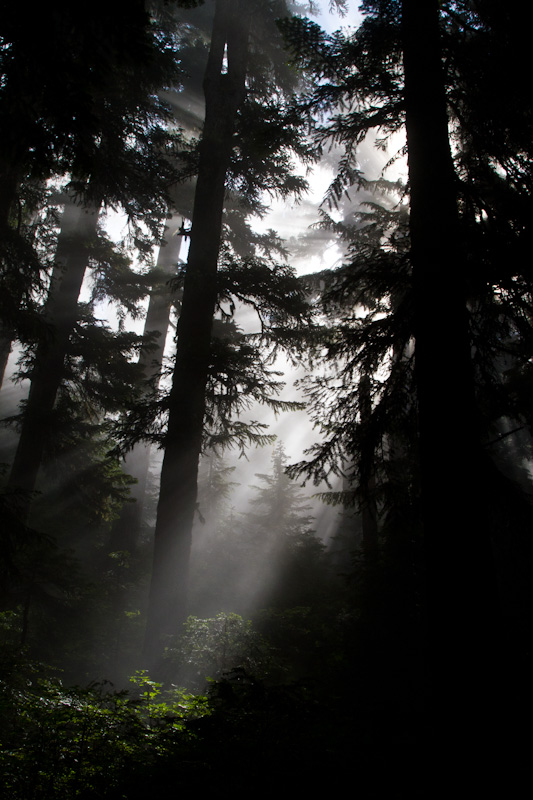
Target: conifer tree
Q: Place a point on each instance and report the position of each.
(72, 353)
(408, 65)
(125, 532)
(90, 116)
(285, 555)
(225, 87)
(79, 228)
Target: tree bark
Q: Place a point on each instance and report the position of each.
(8, 333)
(5, 351)
(461, 587)
(369, 512)
(224, 89)
(78, 227)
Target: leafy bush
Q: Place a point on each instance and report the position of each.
(91, 742)
(211, 647)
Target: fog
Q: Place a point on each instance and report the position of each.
(236, 567)
(266, 454)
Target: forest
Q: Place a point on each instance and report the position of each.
(266, 357)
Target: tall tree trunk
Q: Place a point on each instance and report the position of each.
(5, 351)
(461, 590)
(369, 511)
(125, 531)
(9, 183)
(78, 228)
(224, 89)
(7, 333)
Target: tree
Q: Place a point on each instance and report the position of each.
(69, 328)
(225, 93)
(284, 552)
(103, 131)
(408, 65)
(79, 227)
(446, 409)
(125, 532)
(120, 158)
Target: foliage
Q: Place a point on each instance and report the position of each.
(210, 648)
(368, 302)
(26, 263)
(365, 378)
(107, 72)
(240, 375)
(59, 742)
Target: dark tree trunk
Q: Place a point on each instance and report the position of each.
(9, 183)
(8, 333)
(5, 352)
(125, 531)
(8, 194)
(78, 227)
(224, 89)
(461, 589)
(369, 511)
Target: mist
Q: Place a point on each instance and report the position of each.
(234, 569)
(266, 450)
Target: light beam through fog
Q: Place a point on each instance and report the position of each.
(299, 644)
(310, 249)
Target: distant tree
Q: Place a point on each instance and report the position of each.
(284, 551)
(125, 532)
(215, 557)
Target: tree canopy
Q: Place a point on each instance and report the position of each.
(367, 599)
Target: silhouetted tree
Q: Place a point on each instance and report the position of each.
(408, 64)
(91, 115)
(79, 228)
(69, 330)
(225, 93)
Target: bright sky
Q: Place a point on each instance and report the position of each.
(332, 21)
(293, 221)
(289, 219)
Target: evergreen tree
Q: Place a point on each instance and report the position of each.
(409, 65)
(126, 528)
(104, 131)
(79, 228)
(216, 563)
(284, 552)
(70, 328)
(225, 87)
